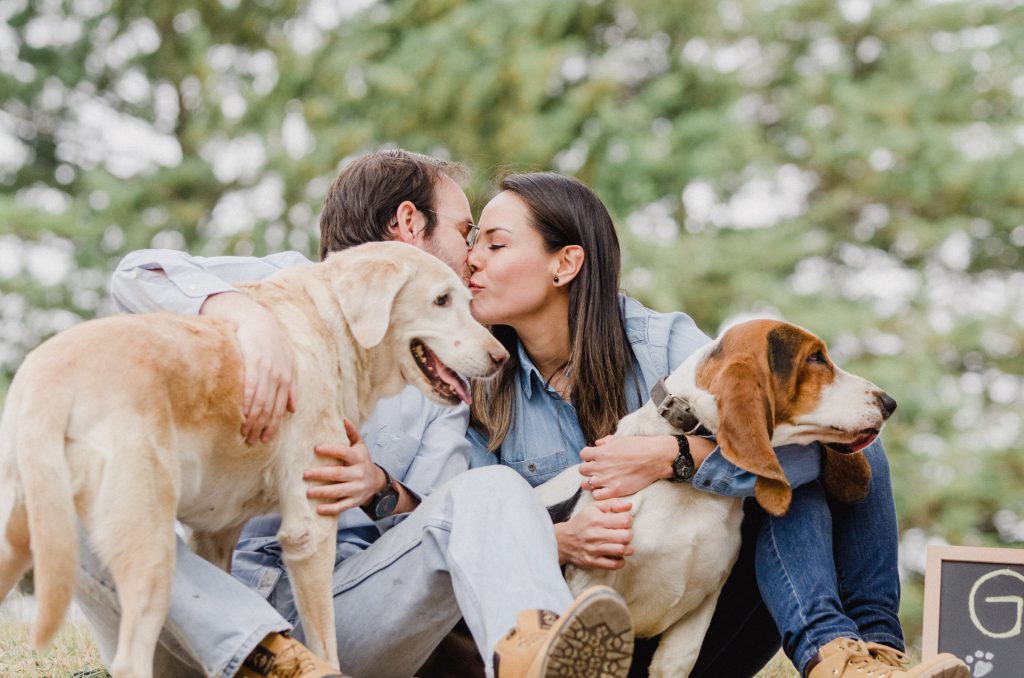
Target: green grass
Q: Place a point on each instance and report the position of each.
(73, 650)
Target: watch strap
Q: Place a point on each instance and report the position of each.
(683, 467)
(378, 506)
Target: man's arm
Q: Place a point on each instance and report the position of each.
(146, 281)
(167, 280)
(421, 444)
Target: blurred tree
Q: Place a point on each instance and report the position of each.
(853, 166)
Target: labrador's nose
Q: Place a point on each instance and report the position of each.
(887, 403)
(498, 357)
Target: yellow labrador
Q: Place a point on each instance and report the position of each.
(762, 384)
(130, 422)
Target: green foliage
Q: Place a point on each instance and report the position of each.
(852, 166)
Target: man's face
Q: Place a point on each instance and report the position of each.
(454, 221)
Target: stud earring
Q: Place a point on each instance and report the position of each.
(556, 279)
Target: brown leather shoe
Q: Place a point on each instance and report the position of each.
(593, 639)
(850, 658)
(279, 656)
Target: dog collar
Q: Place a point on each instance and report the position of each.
(676, 410)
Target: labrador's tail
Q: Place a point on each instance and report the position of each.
(34, 425)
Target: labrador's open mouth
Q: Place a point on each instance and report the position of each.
(445, 382)
(867, 436)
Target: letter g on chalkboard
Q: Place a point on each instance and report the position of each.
(1018, 601)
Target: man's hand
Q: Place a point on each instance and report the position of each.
(269, 364)
(352, 483)
(598, 537)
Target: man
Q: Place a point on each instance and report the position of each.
(479, 547)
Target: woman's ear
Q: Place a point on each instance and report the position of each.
(407, 223)
(569, 262)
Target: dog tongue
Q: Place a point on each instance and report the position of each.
(449, 377)
(861, 443)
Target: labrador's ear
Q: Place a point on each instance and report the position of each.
(846, 477)
(366, 292)
(745, 426)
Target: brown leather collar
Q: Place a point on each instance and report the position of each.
(675, 410)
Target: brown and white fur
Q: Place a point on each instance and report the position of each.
(130, 422)
(762, 384)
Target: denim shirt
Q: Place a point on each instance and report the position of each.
(545, 436)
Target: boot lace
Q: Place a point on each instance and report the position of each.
(293, 663)
(860, 659)
(888, 655)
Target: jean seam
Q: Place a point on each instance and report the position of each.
(452, 569)
(886, 639)
(245, 648)
(379, 564)
(825, 638)
(815, 640)
(785, 571)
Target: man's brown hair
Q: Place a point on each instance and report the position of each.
(361, 204)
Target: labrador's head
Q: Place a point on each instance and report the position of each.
(411, 309)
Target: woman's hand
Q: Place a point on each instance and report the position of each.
(352, 483)
(618, 466)
(598, 537)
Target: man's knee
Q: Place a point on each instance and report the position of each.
(492, 481)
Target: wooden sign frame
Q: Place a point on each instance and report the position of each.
(937, 555)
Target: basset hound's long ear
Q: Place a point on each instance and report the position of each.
(366, 290)
(745, 426)
(846, 477)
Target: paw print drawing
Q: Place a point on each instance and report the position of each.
(980, 663)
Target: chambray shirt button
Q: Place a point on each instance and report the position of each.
(532, 467)
(706, 483)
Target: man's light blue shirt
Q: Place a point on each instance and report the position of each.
(545, 437)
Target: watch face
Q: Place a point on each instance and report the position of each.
(385, 505)
(682, 470)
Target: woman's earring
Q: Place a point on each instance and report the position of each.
(556, 279)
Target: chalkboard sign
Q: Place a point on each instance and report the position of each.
(973, 608)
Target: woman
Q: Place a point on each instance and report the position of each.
(544, 275)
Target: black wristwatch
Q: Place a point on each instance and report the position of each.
(683, 467)
(382, 504)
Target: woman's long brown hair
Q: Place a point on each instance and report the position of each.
(565, 212)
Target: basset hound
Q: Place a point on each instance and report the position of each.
(761, 384)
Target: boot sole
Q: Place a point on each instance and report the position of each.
(948, 667)
(593, 639)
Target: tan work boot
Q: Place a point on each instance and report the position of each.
(593, 639)
(849, 658)
(278, 656)
(942, 665)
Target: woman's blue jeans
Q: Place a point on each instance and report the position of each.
(828, 570)
(824, 570)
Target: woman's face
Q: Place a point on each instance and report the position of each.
(512, 273)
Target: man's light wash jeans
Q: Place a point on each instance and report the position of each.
(480, 547)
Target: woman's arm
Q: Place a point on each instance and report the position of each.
(618, 466)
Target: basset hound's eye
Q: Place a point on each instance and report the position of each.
(442, 300)
(817, 358)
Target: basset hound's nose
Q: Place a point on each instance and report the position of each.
(887, 403)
